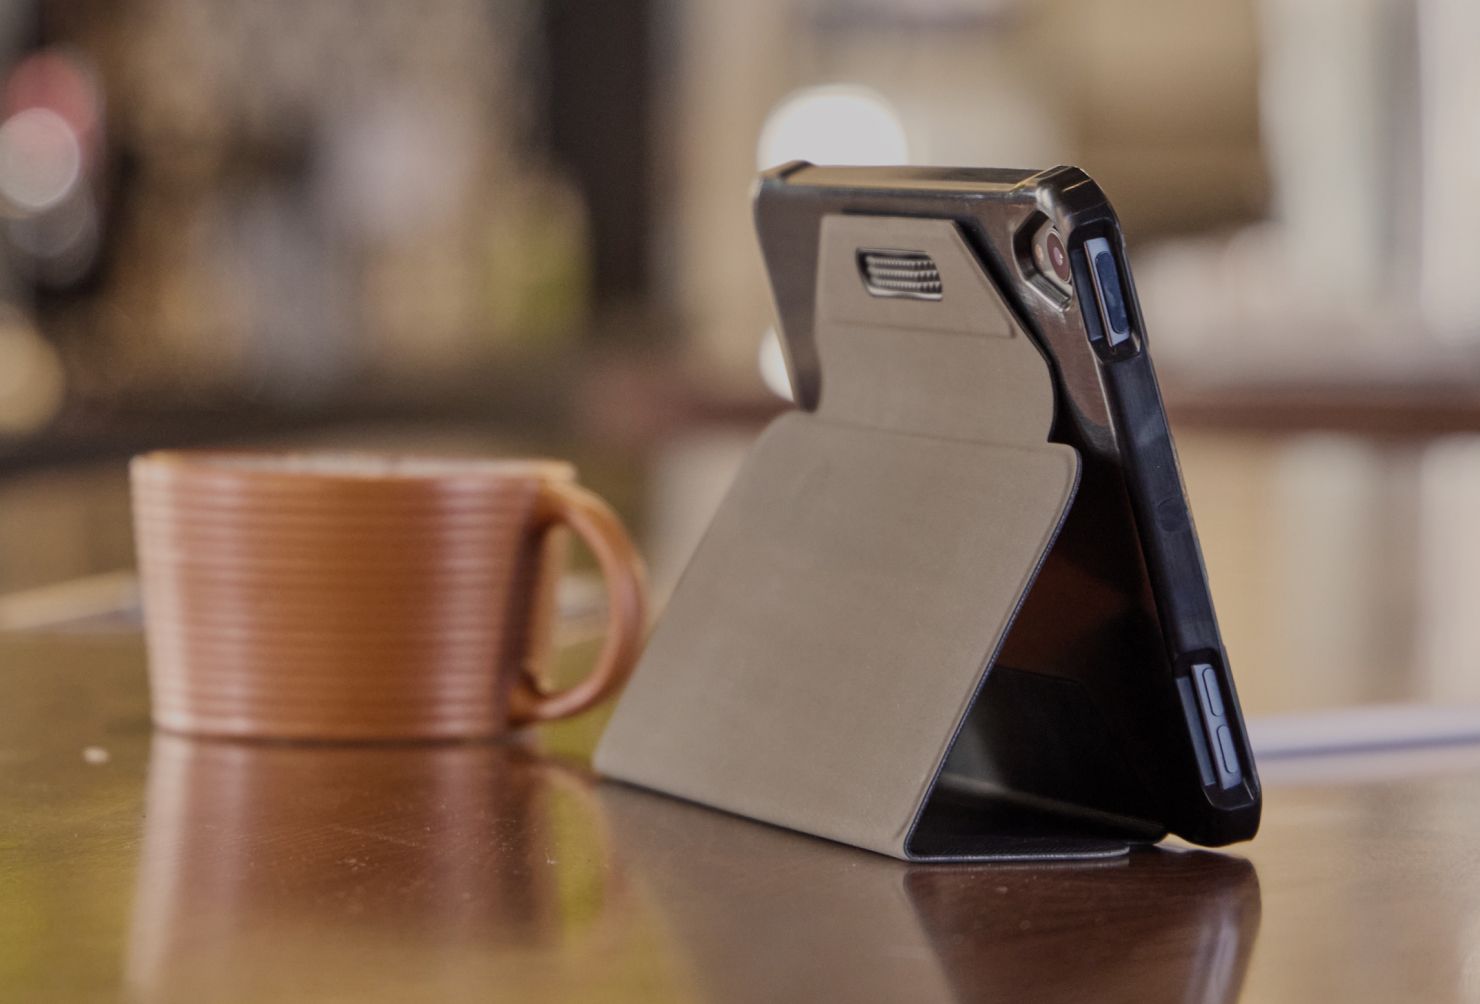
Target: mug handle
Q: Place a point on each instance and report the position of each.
(621, 567)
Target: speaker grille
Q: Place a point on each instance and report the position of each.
(900, 273)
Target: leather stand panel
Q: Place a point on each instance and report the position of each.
(828, 636)
(822, 649)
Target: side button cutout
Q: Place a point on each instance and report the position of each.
(1215, 724)
(1109, 291)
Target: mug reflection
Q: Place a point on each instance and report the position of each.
(275, 872)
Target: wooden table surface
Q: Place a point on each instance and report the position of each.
(146, 867)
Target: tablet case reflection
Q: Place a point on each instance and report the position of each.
(762, 914)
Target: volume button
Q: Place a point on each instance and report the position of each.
(1226, 750)
(1208, 680)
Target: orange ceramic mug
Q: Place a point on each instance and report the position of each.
(349, 597)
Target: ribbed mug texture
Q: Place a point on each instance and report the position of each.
(291, 599)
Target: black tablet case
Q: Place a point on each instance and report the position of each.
(843, 612)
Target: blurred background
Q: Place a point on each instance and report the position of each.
(476, 226)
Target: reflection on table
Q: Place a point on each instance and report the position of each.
(370, 873)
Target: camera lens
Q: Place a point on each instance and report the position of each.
(1058, 258)
(1052, 258)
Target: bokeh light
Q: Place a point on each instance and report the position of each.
(32, 381)
(40, 160)
(834, 124)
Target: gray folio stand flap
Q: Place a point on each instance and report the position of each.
(835, 625)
